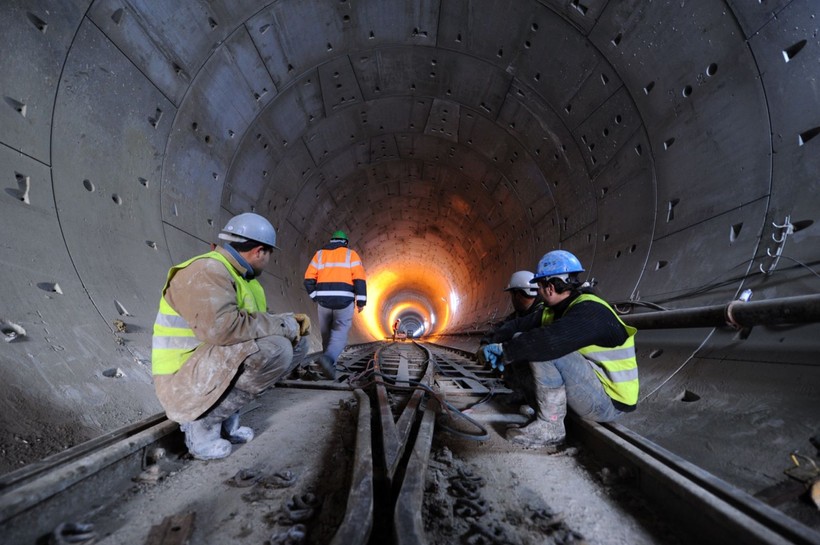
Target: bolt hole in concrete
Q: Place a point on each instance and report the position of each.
(11, 331)
(23, 187)
(688, 396)
(88, 185)
(114, 372)
(52, 287)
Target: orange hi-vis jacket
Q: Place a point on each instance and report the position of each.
(336, 277)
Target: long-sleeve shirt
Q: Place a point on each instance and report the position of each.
(586, 323)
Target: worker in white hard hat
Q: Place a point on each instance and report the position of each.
(215, 346)
(524, 298)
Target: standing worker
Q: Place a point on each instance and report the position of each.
(335, 279)
(215, 347)
(396, 326)
(577, 352)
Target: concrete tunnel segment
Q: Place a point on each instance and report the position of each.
(667, 145)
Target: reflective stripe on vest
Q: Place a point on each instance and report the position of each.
(174, 341)
(346, 263)
(616, 367)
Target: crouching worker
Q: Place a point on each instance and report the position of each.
(577, 353)
(215, 347)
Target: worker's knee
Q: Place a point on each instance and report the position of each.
(263, 369)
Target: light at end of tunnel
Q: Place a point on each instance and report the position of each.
(409, 289)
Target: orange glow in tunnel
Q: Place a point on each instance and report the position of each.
(395, 290)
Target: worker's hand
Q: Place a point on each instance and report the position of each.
(359, 308)
(304, 323)
(493, 355)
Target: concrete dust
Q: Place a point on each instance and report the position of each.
(290, 485)
(494, 492)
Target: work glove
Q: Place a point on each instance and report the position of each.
(304, 323)
(493, 354)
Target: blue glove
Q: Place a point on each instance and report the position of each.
(492, 355)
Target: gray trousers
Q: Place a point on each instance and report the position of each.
(585, 393)
(276, 359)
(334, 326)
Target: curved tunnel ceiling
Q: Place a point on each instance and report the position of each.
(450, 147)
(455, 141)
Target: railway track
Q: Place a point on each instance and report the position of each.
(404, 394)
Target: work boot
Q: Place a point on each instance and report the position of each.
(203, 440)
(328, 367)
(548, 427)
(233, 432)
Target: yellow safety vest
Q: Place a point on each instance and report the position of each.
(174, 341)
(617, 368)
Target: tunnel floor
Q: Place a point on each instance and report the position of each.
(526, 497)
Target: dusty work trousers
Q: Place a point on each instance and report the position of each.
(276, 359)
(334, 324)
(585, 393)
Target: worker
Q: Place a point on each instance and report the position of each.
(576, 353)
(215, 346)
(335, 279)
(524, 297)
(396, 326)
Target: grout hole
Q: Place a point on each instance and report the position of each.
(734, 231)
(791, 51)
(116, 198)
(121, 309)
(37, 22)
(656, 353)
(689, 396)
(660, 265)
(804, 137)
(18, 106)
(670, 209)
(51, 287)
(711, 70)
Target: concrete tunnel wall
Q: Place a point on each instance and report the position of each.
(456, 141)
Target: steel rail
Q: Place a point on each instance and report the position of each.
(94, 470)
(358, 520)
(711, 509)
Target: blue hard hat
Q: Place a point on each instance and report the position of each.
(555, 263)
(249, 226)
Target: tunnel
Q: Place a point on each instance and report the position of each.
(671, 145)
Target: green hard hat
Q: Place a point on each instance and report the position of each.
(339, 234)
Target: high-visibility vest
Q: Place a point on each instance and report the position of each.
(174, 341)
(616, 367)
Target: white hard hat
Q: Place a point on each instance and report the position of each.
(520, 280)
(249, 226)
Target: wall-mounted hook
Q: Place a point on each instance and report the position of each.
(785, 230)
